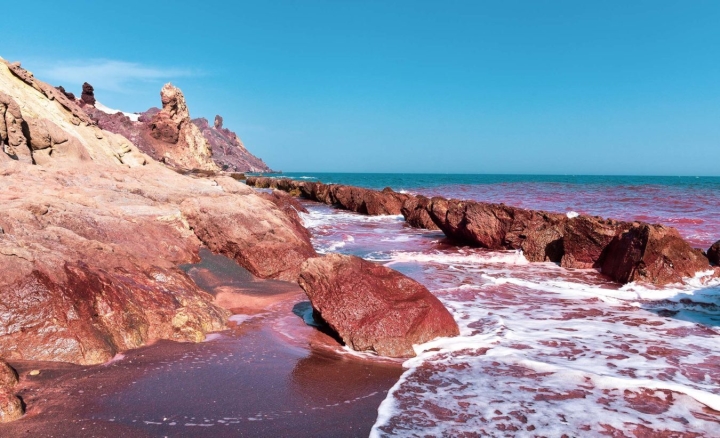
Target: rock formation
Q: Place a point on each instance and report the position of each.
(228, 151)
(415, 212)
(10, 405)
(88, 94)
(714, 253)
(357, 199)
(169, 135)
(374, 308)
(624, 251)
(92, 234)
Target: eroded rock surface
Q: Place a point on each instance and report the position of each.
(374, 308)
(10, 405)
(228, 151)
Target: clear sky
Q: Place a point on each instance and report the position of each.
(544, 87)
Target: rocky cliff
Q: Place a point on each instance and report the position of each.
(170, 136)
(92, 231)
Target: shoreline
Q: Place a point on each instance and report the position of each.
(267, 375)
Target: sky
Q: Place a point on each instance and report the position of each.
(519, 87)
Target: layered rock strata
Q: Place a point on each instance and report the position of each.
(623, 251)
(374, 308)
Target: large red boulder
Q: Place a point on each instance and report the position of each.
(652, 254)
(290, 206)
(372, 307)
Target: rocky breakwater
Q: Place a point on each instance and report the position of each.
(90, 241)
(357, 199)
(374, 308)
(623, 251)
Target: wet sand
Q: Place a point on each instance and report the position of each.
(269, 375)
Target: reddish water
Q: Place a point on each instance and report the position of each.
(547, 351)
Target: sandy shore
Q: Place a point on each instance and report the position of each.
(268, 375)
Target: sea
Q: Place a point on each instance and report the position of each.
(543, 350)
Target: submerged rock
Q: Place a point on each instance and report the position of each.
(374, 308)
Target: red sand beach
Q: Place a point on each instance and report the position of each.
(269, 375)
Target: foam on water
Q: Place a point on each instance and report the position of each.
(543, 350)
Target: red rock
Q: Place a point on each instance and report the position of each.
(374, 308)
(415, 212)
(713, 253)
(585, 238)
(67, 94)
(290, 206)
(652, 254)
(88, 94)
(8, 376)
(228, 151)
(10, 406)
(274, 247)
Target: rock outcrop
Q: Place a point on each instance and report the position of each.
(10, 405)
(374, 308)
(357, 199)
(713, 253)
(88, 94)
(90, 240)
(228, 151)
(624, 251)
(415, 212)
(51, 129)
(169, 135)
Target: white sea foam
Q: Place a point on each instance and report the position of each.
(572, 214)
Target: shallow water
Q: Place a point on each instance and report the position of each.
(546, 351)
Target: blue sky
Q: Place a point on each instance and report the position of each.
(546, 87)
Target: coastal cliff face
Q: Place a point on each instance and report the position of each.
(228, 151)
(170, 136)
(92, 231)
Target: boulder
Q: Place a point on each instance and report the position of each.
(713, 253)
(652, 254)
(11, 407)
(415, 212)
(255, 233)
(88, 94)
(8, 376)
(372, 307)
